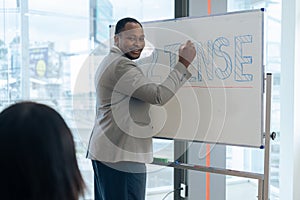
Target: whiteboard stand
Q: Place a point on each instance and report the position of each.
(267, 138)
(263, 179)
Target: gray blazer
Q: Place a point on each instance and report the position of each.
(123, 129)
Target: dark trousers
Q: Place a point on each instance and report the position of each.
(120, 181)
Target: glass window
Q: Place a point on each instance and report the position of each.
(60, 36)
(9, 53)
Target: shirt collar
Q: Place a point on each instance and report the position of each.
(117, 50)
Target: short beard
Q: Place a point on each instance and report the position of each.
(130, 57)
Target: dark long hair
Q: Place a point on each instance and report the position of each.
(37, 155)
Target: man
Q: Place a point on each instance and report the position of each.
(121, 141)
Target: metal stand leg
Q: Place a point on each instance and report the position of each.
(267, 137)
(260, 189)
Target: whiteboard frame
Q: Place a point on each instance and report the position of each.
(262, 11)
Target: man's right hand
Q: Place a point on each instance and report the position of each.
(187, 53)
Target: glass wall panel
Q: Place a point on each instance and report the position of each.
(61, 34)
(10, 88)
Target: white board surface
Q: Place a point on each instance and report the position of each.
(223, 100)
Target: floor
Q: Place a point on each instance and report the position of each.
(239, 191)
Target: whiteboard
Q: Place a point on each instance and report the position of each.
(223, 100)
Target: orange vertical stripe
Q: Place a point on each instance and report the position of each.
(209, 7)
(207, 145)
(207, 174)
